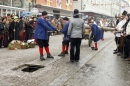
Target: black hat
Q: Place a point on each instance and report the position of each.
(44, 13)
(65, 18)
(124, 13)
(76, 12)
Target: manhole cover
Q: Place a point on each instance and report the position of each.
(29, 67)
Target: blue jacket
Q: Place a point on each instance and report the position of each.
(65, 30)
(96, 32)
(42, 28)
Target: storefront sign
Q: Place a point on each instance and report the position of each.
(17, 3)
(5, 2)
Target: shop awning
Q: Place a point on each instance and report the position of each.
(62, 16)
(93, 12)
(69, 17)
(50, 14)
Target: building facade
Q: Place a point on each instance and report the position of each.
(55, 8)
(105, 7)
(11, 7)
(124, 6)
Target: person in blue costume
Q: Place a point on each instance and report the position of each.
(96, 35)
(65, 42)
(41, 34)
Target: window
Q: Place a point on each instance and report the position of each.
(17, 3)
(68, 1)
(1, 2)
(7, 2)
(4, 12)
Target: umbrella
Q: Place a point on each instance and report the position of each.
(26, 14)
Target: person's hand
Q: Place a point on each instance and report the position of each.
(114, 32)
(102, 39)
(116, 29)
(14, 30)
(68, 37)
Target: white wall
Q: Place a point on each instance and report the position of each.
(77, 5)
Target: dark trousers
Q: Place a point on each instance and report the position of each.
(42, 43)
(117, 40)
(127, 46)
(75, 42)
(65, 42)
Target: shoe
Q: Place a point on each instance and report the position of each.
(93, 48)
(124, 57)
(66, 52)
(72, 60)
(49, 56)
(115, 50)
(61, 54)
(42, 58)
(128, 59)
(119, 54)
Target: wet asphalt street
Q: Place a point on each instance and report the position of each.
(95, 68)
(104, 69)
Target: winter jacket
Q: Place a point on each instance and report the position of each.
(64, 30)
(42, 28)
(96, 32)
(76, 28)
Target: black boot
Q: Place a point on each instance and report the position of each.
(62, 54)
(49, 56)
(93, 48)
(42, 58)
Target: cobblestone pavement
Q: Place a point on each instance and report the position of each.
(59, 69)
(104, 69)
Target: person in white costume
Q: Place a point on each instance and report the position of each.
(118, 32)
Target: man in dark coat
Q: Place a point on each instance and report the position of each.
(96, 35)
(41, 34)
(13, 30)
(21, 27)
(4, 35)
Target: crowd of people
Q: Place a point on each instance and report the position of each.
(73, 31)
(122, 36)
(40, 28)
(15, 28)
(103, 22)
